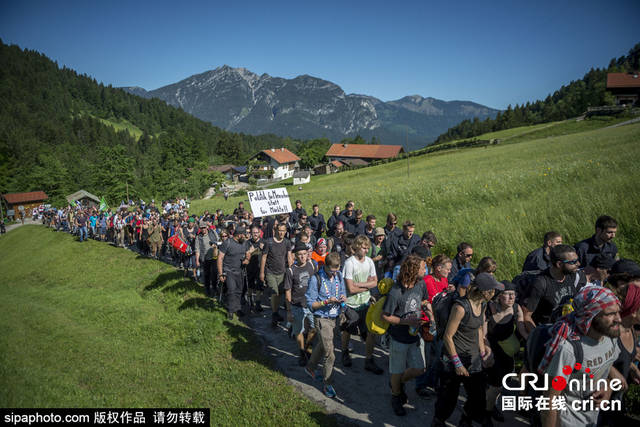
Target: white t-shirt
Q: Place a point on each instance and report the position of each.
(358, 272)
(598, 358)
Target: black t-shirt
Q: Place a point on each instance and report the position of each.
(544, 294)
(356, 228)
(337, 245)
(233, 252)
(257, 249)
(297, 279)
(401, 302)
(277, 256)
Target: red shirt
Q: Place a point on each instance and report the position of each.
(433, 287)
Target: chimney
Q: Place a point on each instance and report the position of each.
(273, 150)
(282, 149)
(635, 74)
(345, 145)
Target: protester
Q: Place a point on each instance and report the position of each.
(600, 242)
(539, 259)
(233, 255)
(325, 293)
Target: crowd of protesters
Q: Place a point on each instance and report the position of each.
(444, 322)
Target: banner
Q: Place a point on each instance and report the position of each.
(103, 205)
(269, 202)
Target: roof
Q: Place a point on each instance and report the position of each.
(81, 195)
(336, 164)
(354, 162)
(32, 196)
(221, 168)
(367, 151)
(280, 155)
(301, 174)
(240, 169)
(623, 80)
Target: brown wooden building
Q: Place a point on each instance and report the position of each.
(29, 200)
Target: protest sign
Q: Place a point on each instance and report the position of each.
(269, 202)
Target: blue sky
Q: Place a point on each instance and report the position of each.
(493, 52)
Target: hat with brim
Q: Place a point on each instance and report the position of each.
(380, 232)
(486, 282)
(240, 230)
(300, 246)
(204, 224)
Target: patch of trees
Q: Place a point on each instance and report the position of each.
(567, 102)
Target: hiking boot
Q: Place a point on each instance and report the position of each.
(497, 415)
(396, 404)
(257, 306)
(274, 322)
(277, 316)
(370, 365)
(317, 375)
(302, 359)
(346, 358)
(329, 391)
(403, 394)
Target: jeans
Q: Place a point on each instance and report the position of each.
(82, 231)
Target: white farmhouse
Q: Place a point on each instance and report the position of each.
(276, 164)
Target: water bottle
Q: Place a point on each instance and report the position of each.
(413, 330)
(343, 307)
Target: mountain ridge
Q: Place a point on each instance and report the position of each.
(306, 107)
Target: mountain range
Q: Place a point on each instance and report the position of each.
(307, 107)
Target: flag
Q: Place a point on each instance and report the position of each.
(103, 205)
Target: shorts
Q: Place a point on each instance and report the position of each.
(275, 283)
(190, 261)
(299, 314)
(400, 354)
(103, 231)
(355, 322)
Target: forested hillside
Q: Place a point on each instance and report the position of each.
(54, 136)
(567, 102)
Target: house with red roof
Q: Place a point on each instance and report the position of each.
(28, 200)
(625, 87)
(358, 154)
(276, 163)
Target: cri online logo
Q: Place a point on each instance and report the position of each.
(559, 383)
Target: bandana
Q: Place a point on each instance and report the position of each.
(632, 301)
(590, 301)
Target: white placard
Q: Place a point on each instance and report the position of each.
(269, 202)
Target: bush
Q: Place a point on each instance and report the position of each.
(240, 192)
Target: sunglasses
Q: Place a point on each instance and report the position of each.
(572, 262)
(332, 272)
(468, 256)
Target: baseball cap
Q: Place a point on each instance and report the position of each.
(603, 261)
(204, 224)
(486, 282)
(321, 241)
(240, 230)
(379, 231)
(625, 266)
(421, 251)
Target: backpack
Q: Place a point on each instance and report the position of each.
(460, 274)
(536, 347)
(525, 279)
(442, 304)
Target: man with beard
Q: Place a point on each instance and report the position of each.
(545, 292)
(233, 254)
(255, 284)
(600, 242)
(595, 323)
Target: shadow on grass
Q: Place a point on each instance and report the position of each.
(163, 280)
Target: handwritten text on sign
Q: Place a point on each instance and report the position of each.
(269, 202)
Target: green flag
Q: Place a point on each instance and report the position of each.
(103, 205)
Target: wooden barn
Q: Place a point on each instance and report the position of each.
(29, 200)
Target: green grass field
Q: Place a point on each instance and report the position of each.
(125, 125)
(89, 325)
(501, 199)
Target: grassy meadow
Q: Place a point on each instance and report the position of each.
(501, 199)
(90, 325)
